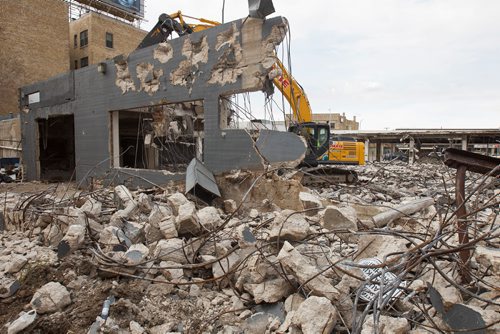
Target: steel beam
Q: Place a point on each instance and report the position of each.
(463, 161)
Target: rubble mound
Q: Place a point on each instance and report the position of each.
(271, 256)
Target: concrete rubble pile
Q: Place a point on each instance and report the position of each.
(270, 256)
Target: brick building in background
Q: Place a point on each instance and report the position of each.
(337, 121)
(95, 37)
(34, 46)
(38, 40)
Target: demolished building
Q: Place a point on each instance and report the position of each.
(147, 115)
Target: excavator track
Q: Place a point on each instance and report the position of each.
(324, 176)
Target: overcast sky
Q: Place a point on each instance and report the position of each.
(390, 63)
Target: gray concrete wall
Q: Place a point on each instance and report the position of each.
(227, 59)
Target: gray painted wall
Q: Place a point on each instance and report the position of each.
(90, 96)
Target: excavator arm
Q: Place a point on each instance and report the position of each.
(293, 93)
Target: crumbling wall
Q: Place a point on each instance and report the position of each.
(10, 138)
(230, 58)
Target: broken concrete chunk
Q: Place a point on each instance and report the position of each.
(171, 250)
(53, 234)
(187, 220)
(379, 246)
(158, 213)
(50, 298)
(109, 236)
(152, 229)
(254, 214)
(298, 265)
(257, 323)
(171, 274)
(224, 266)
(386, 325)
(92, 207)
(167, 228)
(230, 206)
(245, 236)
(270, 291)
(339, 218)
(133, 231)
(316, 315)
(209, 218)
(289, 226)
(136, 254)
(175, 201)
(136, 328)
(293, 302)
(71, 241)
(144, 203)
(8, 286)
(152, 233)
(488, 257)
(128, 202)
(310, 202)
(15, 263)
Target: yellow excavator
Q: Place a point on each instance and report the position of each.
(322, 148)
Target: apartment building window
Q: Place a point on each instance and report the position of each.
(109, 40)
(76, 64)
(75, 41)
(84, 62)
(84, 38)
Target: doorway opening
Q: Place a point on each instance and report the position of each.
(56, 147)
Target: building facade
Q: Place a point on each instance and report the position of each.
(33, 46)
(337, 121)
(95, 37)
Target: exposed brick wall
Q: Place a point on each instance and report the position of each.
(125, 38)
(33, 45)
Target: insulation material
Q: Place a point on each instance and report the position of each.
(228, 67)
(123, 79)
(196, 54)
(278, 33)
(149, 77)
(163, 52)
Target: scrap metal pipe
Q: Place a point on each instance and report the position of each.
(463, 161)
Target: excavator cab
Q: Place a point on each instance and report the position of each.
(317, 137)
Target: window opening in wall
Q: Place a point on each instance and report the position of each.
(109, 40)
(162, 137)
(252, 112)
(84, 38)
(56, 148)
(84, 62)
(76, 64)
(75, 41)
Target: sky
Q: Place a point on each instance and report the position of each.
(391, 63)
